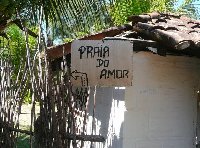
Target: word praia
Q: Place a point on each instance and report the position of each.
(91, 52)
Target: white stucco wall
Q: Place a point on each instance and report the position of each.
(162, 101)
(109, 116)
(158, 111)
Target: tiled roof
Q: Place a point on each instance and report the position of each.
(174, 31)
(165, 32)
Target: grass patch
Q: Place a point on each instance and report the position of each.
(23, 141)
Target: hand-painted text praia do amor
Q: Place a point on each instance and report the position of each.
(101, 54)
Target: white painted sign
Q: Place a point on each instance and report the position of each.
(101, 63)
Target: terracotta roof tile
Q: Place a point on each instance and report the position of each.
(174, 31)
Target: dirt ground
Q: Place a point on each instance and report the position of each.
(23, 141)
(25, 116)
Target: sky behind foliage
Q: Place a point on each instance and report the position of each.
(195, 4)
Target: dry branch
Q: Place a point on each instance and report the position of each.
(91, 138)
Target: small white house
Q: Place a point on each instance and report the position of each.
(161, 108)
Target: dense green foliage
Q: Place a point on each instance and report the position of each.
(121, 9)
(15, 46)
(14, 50)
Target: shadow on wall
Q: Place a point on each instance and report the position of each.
(109, 115)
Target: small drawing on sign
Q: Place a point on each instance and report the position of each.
(82, 76)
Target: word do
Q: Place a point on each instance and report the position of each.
(104, 63)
